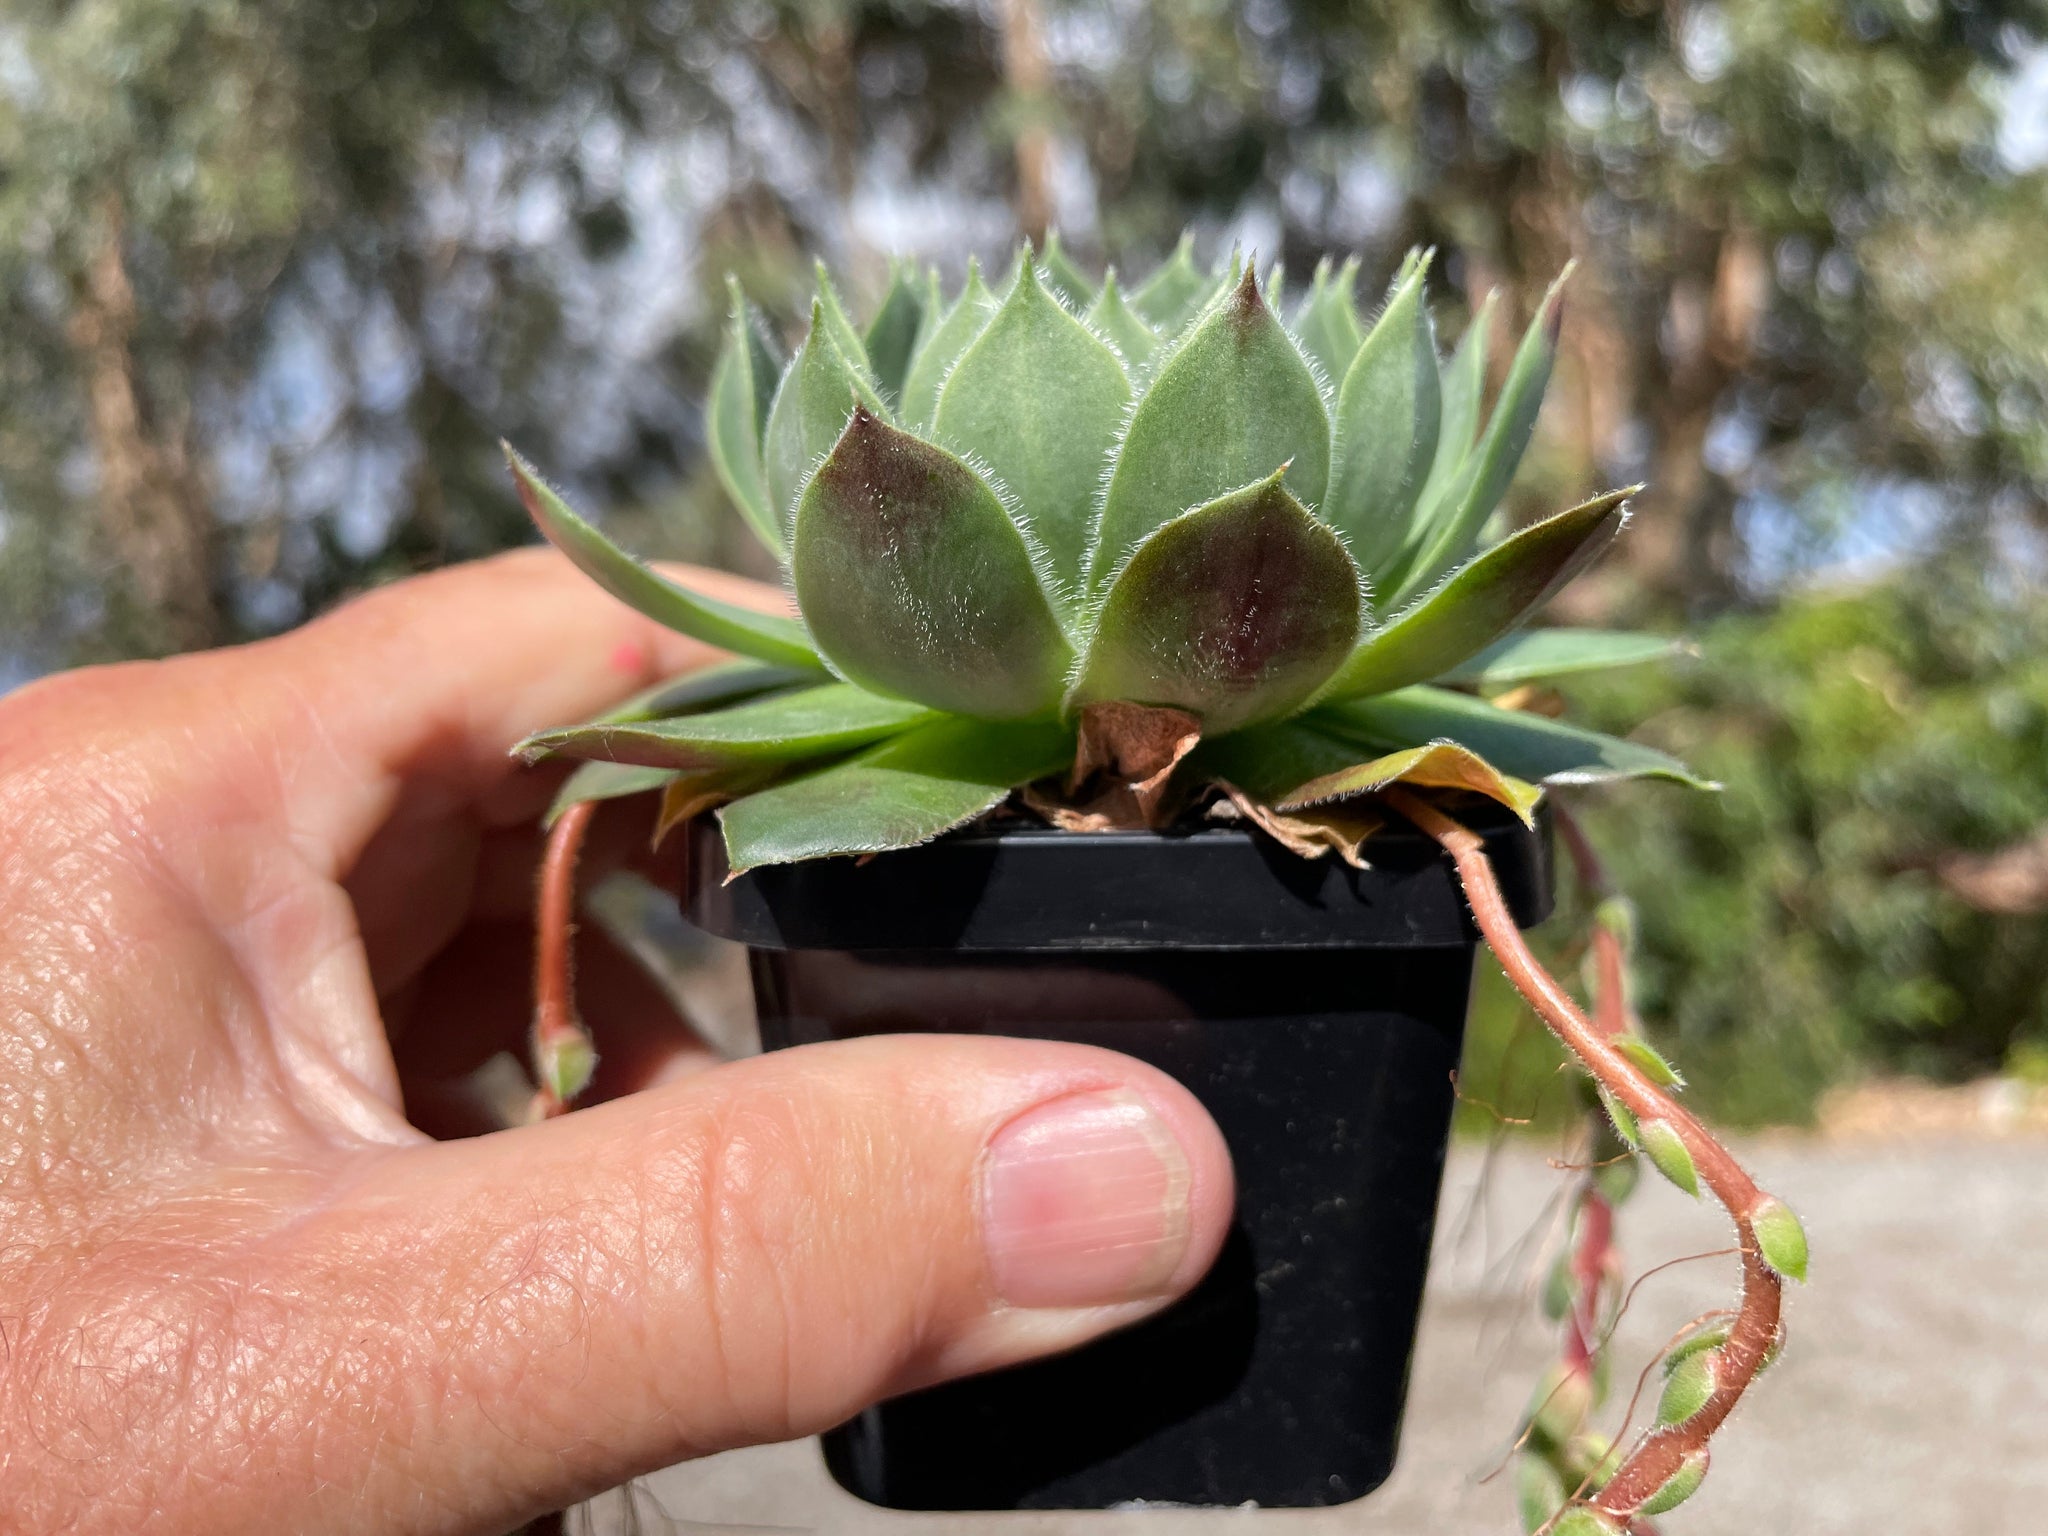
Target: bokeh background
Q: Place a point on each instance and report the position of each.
(275, 275)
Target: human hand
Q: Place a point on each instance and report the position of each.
(239, 1291)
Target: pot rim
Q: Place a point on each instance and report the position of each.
(1031, 889)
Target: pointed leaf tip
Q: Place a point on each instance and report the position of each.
(1232, 400)
(1486, 599)
(1235, 611)
(1039, 397)
(1648, 1061)
(766, 636)
(916, 583)
(1780, 1237)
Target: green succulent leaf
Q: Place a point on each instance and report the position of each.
(1698, 1342)
(1679, 1486)
(1328, 326)
(1463, 388)
(1172, 293)
(893, 332)
(605, 781)
(785, 728)
(845, 336)
(1479, 486)
(905, 792)
(1781, 1237)
(565, 1063)
(1667, 1153)
(1120, 325)
(1528, 746)
(1234, 401)
(768, 636)
(1687, 1387)
(1623, 1119)
(1584, 1520)
(690, 693)
(1538, 655)
(1436, 765)
(1385, 428)
(1649, 1061)
(817, 395)
(1039, 398)
(916, 582)
(1062, 276)
(1487, 598)
(1236, 611)
(742, 388)
(937, 353)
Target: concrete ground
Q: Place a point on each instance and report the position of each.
(1912, 1400)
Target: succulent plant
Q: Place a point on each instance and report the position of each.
(1054, 527)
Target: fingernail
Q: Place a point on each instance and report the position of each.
(1085, 1203)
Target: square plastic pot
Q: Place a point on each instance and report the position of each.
(1316, 1010)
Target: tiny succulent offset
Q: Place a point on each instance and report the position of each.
(1040, 529)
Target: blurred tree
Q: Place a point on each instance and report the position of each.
(1800, 246)
(276, 275)
(1877, 746)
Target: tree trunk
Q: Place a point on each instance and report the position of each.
(153, 521)
(1030, 81)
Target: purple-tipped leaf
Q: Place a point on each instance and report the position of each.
(1487, 599)
(1236, 611)
(768, 636)
(916, 583)
(1233, 400)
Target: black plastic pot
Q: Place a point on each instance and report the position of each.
(1317, 1012)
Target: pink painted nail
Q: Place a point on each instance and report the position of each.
(1085, 1203)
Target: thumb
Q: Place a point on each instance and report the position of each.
(753, 1254)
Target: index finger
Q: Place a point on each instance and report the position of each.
(435, 679)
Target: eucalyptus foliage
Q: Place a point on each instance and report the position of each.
(1002, 512)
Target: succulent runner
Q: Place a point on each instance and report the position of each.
(1055, 528)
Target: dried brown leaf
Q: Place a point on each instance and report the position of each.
(1311, 833)
(1134, 748)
